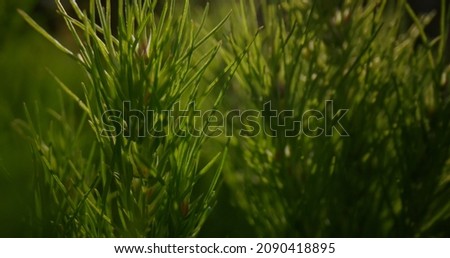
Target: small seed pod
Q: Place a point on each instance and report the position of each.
(184, 207)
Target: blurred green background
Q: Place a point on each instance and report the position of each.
(25, 57)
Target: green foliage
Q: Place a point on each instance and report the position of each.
(92, 184)
(387, 80)
(387, 178)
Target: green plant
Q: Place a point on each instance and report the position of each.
(389, 177)
(88, 183)
(371, 157)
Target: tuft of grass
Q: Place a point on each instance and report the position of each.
(386, 178)
(376, 165)
(123, 184)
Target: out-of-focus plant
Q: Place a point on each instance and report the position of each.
(382, 170)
